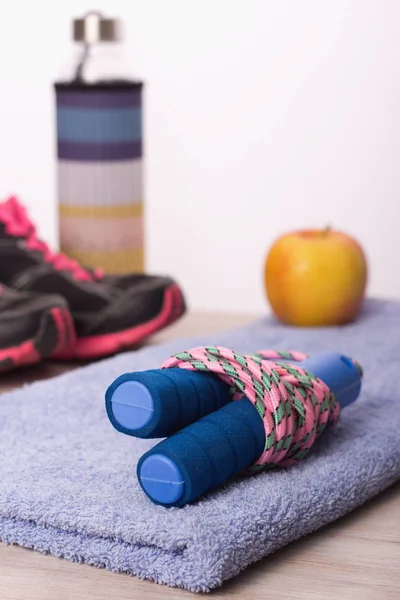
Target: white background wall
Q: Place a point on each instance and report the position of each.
(261, 116)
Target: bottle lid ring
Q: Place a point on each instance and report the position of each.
(93, 28)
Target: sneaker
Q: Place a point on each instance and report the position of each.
(32, 327)
(166, 293)
(110, 313)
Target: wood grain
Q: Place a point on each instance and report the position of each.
(356, 558)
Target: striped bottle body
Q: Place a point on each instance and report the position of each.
(100, 183)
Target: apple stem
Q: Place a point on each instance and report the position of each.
(327, 229)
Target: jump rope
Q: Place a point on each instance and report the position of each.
(224, 413)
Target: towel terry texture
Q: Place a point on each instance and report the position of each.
(68, 483)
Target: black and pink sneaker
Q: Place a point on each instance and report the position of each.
(32, 327)
(110, 313)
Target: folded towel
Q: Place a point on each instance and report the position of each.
(68, 482)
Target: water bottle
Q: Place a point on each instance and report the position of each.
(100, 150)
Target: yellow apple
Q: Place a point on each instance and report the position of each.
(315, 277)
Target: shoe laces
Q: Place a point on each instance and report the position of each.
(18, 224)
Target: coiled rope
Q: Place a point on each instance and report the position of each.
(295, 406)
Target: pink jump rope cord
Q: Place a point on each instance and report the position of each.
(295, 405)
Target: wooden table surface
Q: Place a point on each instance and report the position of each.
(356, 558)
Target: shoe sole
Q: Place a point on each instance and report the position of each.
(111, 343)
(56, 332)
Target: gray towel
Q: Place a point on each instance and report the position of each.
(68, 484)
